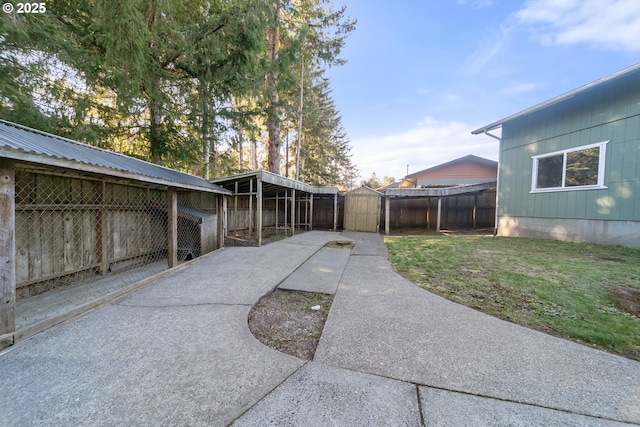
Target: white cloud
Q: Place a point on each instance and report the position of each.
(479, 4)
(515, 88)
(608, 24)
(428, 144)
(489, 46)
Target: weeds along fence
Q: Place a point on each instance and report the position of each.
(71, 228)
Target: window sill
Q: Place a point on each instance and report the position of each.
(560, 189)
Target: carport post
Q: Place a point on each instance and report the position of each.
(7, 253)
(293, 211)
(386, 214)
(172, 225)
(335, 212)
(259, 210)
(311, 211)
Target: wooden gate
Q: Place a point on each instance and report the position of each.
(362, 210)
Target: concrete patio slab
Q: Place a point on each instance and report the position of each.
(319, 395)
(320, 273)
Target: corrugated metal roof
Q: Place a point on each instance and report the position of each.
(22, 143)
(271, 182)
(620, 77)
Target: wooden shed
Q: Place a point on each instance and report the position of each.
(71, 213)
(362, 210)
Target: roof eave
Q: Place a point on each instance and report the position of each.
(44, 160)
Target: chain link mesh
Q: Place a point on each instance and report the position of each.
(71, 229)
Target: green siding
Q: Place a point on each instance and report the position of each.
(608, 116)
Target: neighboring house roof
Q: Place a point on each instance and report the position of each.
(454, 172)
(25, 144)
(577, 96)
(470, 158)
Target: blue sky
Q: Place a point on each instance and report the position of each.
(422, 74)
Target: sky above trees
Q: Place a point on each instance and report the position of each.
(421, 75)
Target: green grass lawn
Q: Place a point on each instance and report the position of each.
(583, 292)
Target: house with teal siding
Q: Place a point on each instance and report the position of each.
(569, 168)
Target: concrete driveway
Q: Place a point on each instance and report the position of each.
(179, 352)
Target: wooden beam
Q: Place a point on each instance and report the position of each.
(439, 214)
(293, 211)
(259, 210)
(250, 208)
(474, 214)
(310, 211)
(172, 227)
(7, 252)
(335, 212)
(235, 211)
(101, 229)
(221, 220)
(386, 215)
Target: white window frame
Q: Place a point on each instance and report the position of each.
(601, 162)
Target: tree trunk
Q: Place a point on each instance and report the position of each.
(273, 115)
(155, 131)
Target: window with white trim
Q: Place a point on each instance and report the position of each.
(580, 168)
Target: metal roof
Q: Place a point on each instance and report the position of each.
(25, 144)
(271, 183)
(616, 80)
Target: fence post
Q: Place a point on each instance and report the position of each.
(172, 227)
(387, 201)
(101, 229)
(335, 212)
(7, 252)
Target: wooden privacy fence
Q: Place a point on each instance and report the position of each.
(362, 210)
(70, 227)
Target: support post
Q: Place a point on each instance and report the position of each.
(293, 211)
(428, 212)
(310, 210)
(474, 214)
(286, 212)
(235, 210)
(101, 229)
(259, 210)
(335, 212)
(277, 208)
(386, 214)
(172, 227)
(7, 252)
(439, 214)
(250, 207)
(221, 220)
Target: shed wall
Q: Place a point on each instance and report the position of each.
(362, 210)
(71, 228)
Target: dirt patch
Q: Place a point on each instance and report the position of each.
(627, 300)
(285, 321)
(341, 244)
